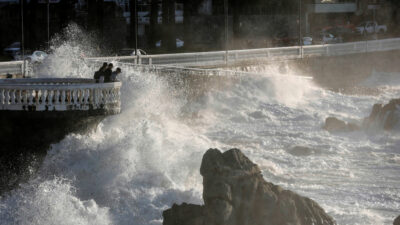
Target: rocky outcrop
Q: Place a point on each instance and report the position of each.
(385, 116)
(235, 193)
(333, 124)
(397, 221)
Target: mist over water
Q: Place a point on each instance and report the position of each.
(138, 163)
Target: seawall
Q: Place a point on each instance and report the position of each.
(26, 136)
(335, 72)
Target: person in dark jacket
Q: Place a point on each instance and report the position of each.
(100, 72)
(107, 73)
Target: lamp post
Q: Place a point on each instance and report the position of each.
(48, 24)
(300, 33)
(22, 37)
(136, 28)
(226, 30)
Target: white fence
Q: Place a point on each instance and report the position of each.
(219, 58)
(15, 67)
(198, 59)
(59, 95)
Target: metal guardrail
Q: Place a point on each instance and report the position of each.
(198, 59)
(218, 58)
(14, 67)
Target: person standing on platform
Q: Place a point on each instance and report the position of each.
(100, 73)
(107, 73)
(115, 74)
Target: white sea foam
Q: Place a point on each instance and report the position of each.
(138, 163)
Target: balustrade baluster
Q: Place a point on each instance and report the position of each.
(69, 97)
(43, 96)
(57, 97)
(37, 97)
(87, 96)
(63, 97)
(12, 102)
(7, 97)
(107, 99)
(106, 96)
(98, 97)
(50, 97)
(30, 97)
(103, 96)
(1, 96)
(74, 96)
(113, 94)
(82, 96)
(91, 96)
(24, 96)
(19, 96)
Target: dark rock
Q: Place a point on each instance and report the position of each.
(397, 221)
(386, 116)
(185, 214)
(235, 193)
(333, 124)
(302, 151)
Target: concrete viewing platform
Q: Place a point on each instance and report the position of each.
(60, 95)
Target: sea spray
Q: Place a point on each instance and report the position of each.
(137, 163)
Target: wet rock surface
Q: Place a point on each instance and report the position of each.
(235, 193)
(303, 151)
(333, 124)
(397, 221)
(385, 116)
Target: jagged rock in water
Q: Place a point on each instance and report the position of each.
(190, 214)
(235, 193)
(302, 151)
(397, 221)
(387, 116)
(333, 124)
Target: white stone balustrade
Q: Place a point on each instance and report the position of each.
(59, 95)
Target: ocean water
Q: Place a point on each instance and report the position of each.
(138, 163)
